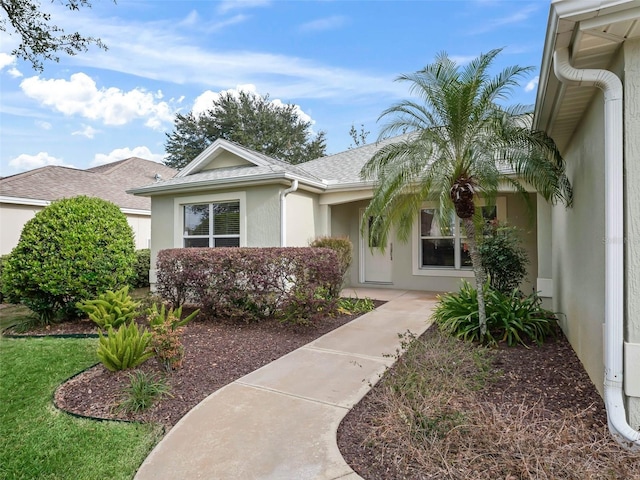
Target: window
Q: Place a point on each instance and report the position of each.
(212, 224)
(442, 244)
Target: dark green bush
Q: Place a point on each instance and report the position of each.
(73, 250)
(343, 248)
(511, 318)
(503, 257)
(141, 268)
(3, 260)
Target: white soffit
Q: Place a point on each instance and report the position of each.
(594, 39)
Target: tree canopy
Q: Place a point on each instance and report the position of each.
(460, 144)
(40, 40)
(250, 120)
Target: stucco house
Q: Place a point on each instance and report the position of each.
(588, 100)
(585, 260)
(279, 204)
(24, 194)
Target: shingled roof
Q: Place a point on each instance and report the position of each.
(109, 182)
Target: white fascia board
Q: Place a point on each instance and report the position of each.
(135, 211)
(219, 144)
(250, 180)
(24, 201)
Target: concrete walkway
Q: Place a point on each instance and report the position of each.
(280, 421)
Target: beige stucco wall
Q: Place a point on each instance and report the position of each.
(305, 218)
(13, 218)
(345, 220)
(632, 214)
(260, 226)
(578, 244)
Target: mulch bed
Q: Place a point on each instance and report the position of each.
(216, 353)
(550, 374)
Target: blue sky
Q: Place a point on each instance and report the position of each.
(336, 60)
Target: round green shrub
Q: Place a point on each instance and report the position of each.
(73, 250)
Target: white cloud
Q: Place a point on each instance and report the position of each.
(112, 106)
(204, 101)
(42, 159)
(87, 131)
(228, 5)
(43, 125)
(532, 84)
(519, 16)
(9, 62)
(323, 24)
(122, 153)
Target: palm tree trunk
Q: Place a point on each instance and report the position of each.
(478, 271)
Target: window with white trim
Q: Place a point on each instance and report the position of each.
(443, 244)
(215, 224)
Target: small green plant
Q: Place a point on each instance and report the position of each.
(350, 306)
(171, 316)
(166, 329)
(111, 309)
(144, 390)
(141, 268)
(125, 348)
(503, 257)
(511, 318)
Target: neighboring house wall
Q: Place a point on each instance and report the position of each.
(578, 244)
(15, 216)
(632, 210)
(18, 215)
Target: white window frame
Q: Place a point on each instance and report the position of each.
(178, 212)
(456, 271)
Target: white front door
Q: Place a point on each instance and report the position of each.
(375, 265)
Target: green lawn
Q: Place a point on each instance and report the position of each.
(39, 441)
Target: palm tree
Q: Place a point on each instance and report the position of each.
(459, 144)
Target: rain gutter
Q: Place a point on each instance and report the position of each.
(611, 85)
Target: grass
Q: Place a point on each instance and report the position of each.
(39, 441)
(429, 417)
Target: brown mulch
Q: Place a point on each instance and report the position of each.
(549, 375)
(216, 353)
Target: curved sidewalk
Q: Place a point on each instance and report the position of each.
(280, 421)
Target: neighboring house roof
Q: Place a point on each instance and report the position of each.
(595, 35)
(109, 182)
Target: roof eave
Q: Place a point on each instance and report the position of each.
(237, 182)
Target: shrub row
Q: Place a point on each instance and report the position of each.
(291, 284)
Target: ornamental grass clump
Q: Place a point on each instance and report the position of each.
(144, 390)
(512, 318)
(111, 309)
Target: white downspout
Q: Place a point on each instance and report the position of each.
(611, 85)
(283, 212)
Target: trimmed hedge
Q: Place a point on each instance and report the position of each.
(343, 248)
(291, 284)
